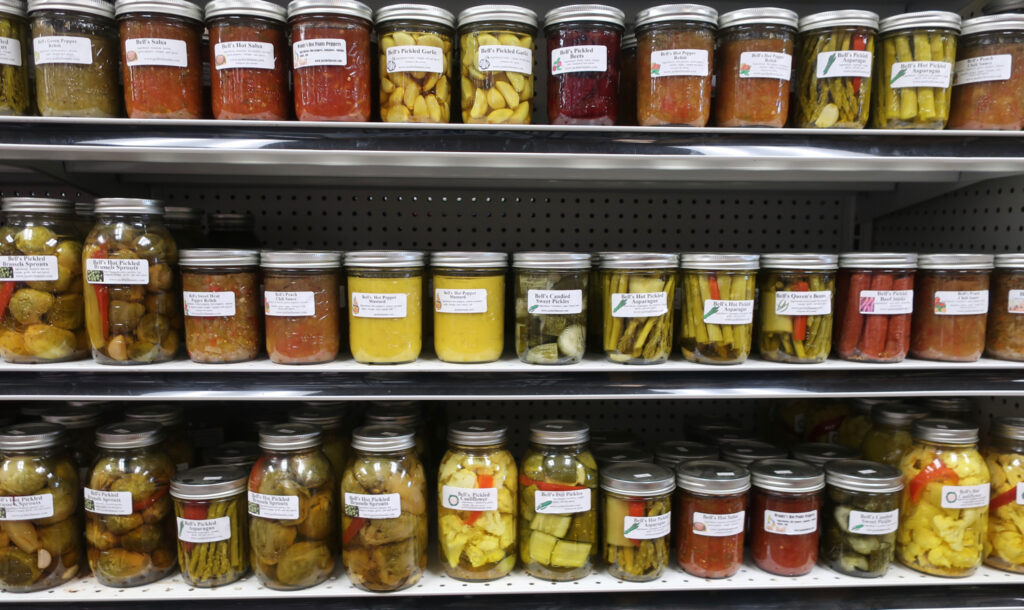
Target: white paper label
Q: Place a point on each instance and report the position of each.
(415, 58)
(507, 58)
(62, 50)
(156, 52)
(960, 302)
(873, 524)
(320, 52)
(586, 58)
(373, 506)
(369, 305)
(679, 62)
(23, 508)
(765, 64)
(243, 54)
(639, 304)
(10, 51)
(209, 304)
(1015, 301)
(1020, 493)
(886, 302)
(920, 74)
(965, 496)
(455, 300)
(836, 64)
(289, 304)
(554, 302)
(204, 530)
(813, 303)
(561, 502)
(108, 502)
(647, 528)
(982, 69)
(790, 524)
(461, 498)
(28, 268)
(718, 526)
(273, 507)
(132, 271)
(728, 312)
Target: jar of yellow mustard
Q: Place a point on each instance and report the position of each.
(385, 298)
(469, 305)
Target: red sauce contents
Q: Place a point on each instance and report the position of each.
(992, 104)
(160, 91)
(871, 337)
(333, 92)
(249, 93)
(702, 554)
(743, 101)
(584, 98)
(958, 338)
(781, 553)
(304, 339)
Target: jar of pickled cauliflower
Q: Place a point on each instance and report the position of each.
(496, 43)
(385, 295)
(1004, 455)
(469, 305)
(415, 63)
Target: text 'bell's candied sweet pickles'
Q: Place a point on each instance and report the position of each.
(496, 44)
(861, 517)
(1005, 458)
(796, 297)
(416, 44)
(637, 515)
(718, 306)
(552, 302)
(874, 302)
(951, 302)
(988, 77)
(212, 524)
(637, 291)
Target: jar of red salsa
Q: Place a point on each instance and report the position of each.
(874, 300)
(331, 59)
(248, 46)
(1006, 318)
(951, 307)
(160, 58)
(583, 63)
(710, 522)
(786, 507)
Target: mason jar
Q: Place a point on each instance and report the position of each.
(796, 294)
(551, 306)
(746, 452)
(786, 515)
(300, 296)
(608, 456)
(1004, 335)
(718, 306)
(385, 293)
(331, 422)
(417, 45)
(637, 509)
(673, 453)
(889, 436)
(638, 290)
(822, 454)
(241, 454)
(496, 43)
(469, 305)
(1004, 455)
(862, 514)
(874, 302)
(951, 302)
(710, 522)
(80, 425)
(988, 84)
(15, 94)
(212, 524)
(220, 289)
(172, 418)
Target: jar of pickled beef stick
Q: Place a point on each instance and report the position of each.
(874, 300)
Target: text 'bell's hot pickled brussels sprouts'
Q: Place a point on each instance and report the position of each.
(637, 515)
(862, 505)
(711, 517)
(638, 291)
(417, 43)
(718, 306)
(1004, 455)
(212, 524)
(496, 44)
(385, 305)
(551, 306)
(796, 296)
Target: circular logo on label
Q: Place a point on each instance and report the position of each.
(453, 500)
(951, 497)
(391, 65)
(485, 64)
(699, 527)
(437, 304)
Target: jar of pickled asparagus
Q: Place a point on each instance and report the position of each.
(415, 63)
(874, 300)
(212, 524)
(220, 289)
(637, 509)
(718, 306)
(177, 443)
(820, 454)
(300, 305)
(330, 420)
(951, 307)
(889, 436)
(1004, 455)
(988, 77)
(1005, 326)
(861, 517)
(785, 524)
(914, 71)
(496, 43)
(15, 95)
(711, 517)
(673, 453)
(385, 295)
(80, 423)
(551, 306)
(796, 295)
(627, 82)
(638, 289)
(469, 305)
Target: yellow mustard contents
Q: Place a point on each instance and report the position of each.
(469, 337)
(378, 333)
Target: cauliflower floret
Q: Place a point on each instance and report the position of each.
(462, 478)
(953, 530)
(491, 523)
(454, 537)
(505, 503)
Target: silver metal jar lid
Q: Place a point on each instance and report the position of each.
(715, 261)
(585, 13)
(677, 12)
(31, 435)
(949, 406)
(712, 477)
(12, 7)
(126, 205)
(209, 483)
(844, 18)
(180, 213)
(383, 439)
(639, 260)
(671, 453)
(218, 257)
(248, 8)
(606, 456)
(237, 453)
(993, 23)
(551, 260)
(559, 432)
(820, 454)
(129, 435)
(384, 258)
(394, 414)
(416, 12)
(470, 260)
(1008, 427)
(643, 480)
(759, 16)
(347, 8)
(165, 415)
(745, 453)
(944, 430)
(786, 475)
(898, 415)
(610, 437)
(300, 259)
(716, 433)
(1010, 261)
(1003, 6)
(178, 8)
(864, 405)
(73, 418)
(92, 7)
(923, 19)
(477, 433)
(327, 418)
(878, 260)
(862, 475)
(41, 205)
(955, 262)
(498, 13)
(290, 436)
(799, 262)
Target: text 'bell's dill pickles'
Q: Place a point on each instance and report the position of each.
(796, 294)
(211, 522)
(718, 307)
(638, 289)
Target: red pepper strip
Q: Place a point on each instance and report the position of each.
(715, 294)
(353, 529)
(483, 481)
(825, 431)
(196, 511)
(150, 501)
(256, 475)
(636, 509)
(934, 471)
(526, 481)
(103, 296)
(800, 322)
(6, 291)
(1007, 497)
(860, 43)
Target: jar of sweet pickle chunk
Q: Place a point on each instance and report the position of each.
(861, 517)
(1005, 458)
(177, 444)
(385, 315)
(796, 295)
(638, 290)
(220, 289)
(212, 524)
(874, 300)
(415, 63)
(80, 423)
(951, 307)
(1005, 327)
(710, 517)
(469, 305)
(785, 524)
(496, 43)
(331, 422)
(551, 306)
(15, 95)
(889, 436)
(637, 508)
(988, 77)
(718, 306)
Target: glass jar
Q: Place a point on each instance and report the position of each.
(385, 317)
(754, 64)
(945, 509)
(627, 82)
(558, 502)
(608, 456)
(496, 44)
(889, 436)
(833, 72)
(953, 407)
(796, 327)
(233, 230)
(914, 70)
(39, 509)
(41, 311)
(874, 300)
(249, 43)
(718, 306)
(613, 438)
(384, 523)
(331, 421)
(160, 58)
(469, 305)
(132, 305)
(988, 77)
(638, 289)
(745, 452)
(15, 96)
(80, 425)
(821, 454)
(405, 415)
(177, 444)
(293, 511)
(551, 290)
(673, 453)
(637, 509)
(583, 83)
(85, 216)
(331, 59)
(595, 312)
(951, 307)
(711, 517)
(415, 82)
(220, 289)
(185, 225)
(1005, 327)
(786, 507)
(857, 423)
(715, 433)
(242, 454)
(862, 514)
(212, 524)
(675, 54)
(1005, 458)
(129, 524)
(74, 44)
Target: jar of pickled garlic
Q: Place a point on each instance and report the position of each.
(469, 305)
(301, 305)
(951, 307)
(988, 77)
(862, 508)
(796, 294)
(785, 524)
(1005, 327)
(718, 306)
(185, 225)
(675, 54)
(608, 456)
(385, 316)
(638, 289)
(212, 524)
(945, 509)
(551, 306)
(496, 43)
(627, 82)
(637, 509)
(331, 59)
(1004, 455)
(242, 454)
(583, 42)
(80, 423)
(15, 95)
(248, 49)
(415, 63)
(821, 454)
(132, 303)
(874, 300)
(177, 443)
(746, 452)
(889, 437)
(914, 70)
(41, 311)
(39, 509)
(710, 521)
(331, 421)
(220, 288)
(673, 453)
(754, 64)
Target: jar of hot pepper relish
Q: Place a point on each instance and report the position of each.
(786, 506)
(710, 516)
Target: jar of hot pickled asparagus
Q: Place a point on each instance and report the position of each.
(300, 305)
(212, 524)
(711, 507)
(469, 305)
(220, 288)
(637, 509)
(627, 81)
(796, 294)
(415, 63)
(551, 306)
(15, 96)
(951, 307)
(1004, 455)
(718, 306)
(385, 294)
(638, 290)
(785, 524)
(889, 436)
(988, 77)
(874, 300)
(1005, 333)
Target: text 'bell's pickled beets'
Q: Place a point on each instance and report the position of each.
(874, 300)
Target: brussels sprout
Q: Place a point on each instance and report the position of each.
(29, 305)
(12, 343)
(270, 539)
(160, 278)
(320, 521)
(153, 328)
(122, 524)
(132, 293)
(125, 316)
(22, 476)
(59, 537)
(304, 561)
(141, 486)
(158, 510)
(163, 303)
(121, 565)
(61, 284)
(7, 246)
(49, 342)
(65, 502)
(310, 470)
(69, 256)
(121, 236)
(143, 351)
(17, 568)
(143, 539)
(98, 537)
(68, 312)
(36, 241)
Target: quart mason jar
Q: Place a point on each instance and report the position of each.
(1004, 335)
(857, 423)
(861, 517)
(469, 305)
(385, 316)
(172, 418)
(15, 94)
(785, 524)
(220, 290)
(874, 302)
(951, 307)
(889, 436)
(300, 296)
(711, 504)
(796, 295)
(80, 425)
(638, 290)
(496, 63)
(415, 63)
(331, 422)
(212, 524)
(718, 306)
(1004, 454)
(637, 508)
(551, 306)
(988, 77)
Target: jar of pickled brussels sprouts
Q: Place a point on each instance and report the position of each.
(385, 315)
(15, 98)
(129, 521)
(1005, 326)
(786, 507)
(496, 44)
(988, 77)
(857, 423)
(746, 452)
(331, 422)
(889, 436)
(862, 512)
(711, 517)
(627, 79)
(1004, 455)
(821, 454)
(293, 510)
(551, 290)
(185, 225)
(212, 523)
(673, 453)
(39, 509)
(301, 305)
(132, 310)
(951, 307)
(718, 306)
(242, 454)
(220, 290)
(80, 423)
(558, 502)
(637, 509)
(796, 294)
(172, 418)
(874, 300)
(41, 312)
(638, 289)
(608, 456)
(469, 305)
(945, 511)
(415, 63)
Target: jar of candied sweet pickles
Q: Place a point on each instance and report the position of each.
(1004, 455)
(212, 524)
(415, 63)
(718, 306)
(988, 77)
(172, 418)
(638, 290)
(637, 509)
(710, 517)
(469, 305)
(15, 95)
(951, 307)
(220, 289)
(385, 314)
(1005, 326)
(889, 436)
(785, 524)
(862, 505)
(496, 43)
(796, 295)
(874, 300)
(551, 306)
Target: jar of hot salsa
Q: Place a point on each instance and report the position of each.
(301, 304)
(988, 77)
(786, 508)
(711, 513)
(951, 307)
(874, 300)
(1006, 316)
(221, 294)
